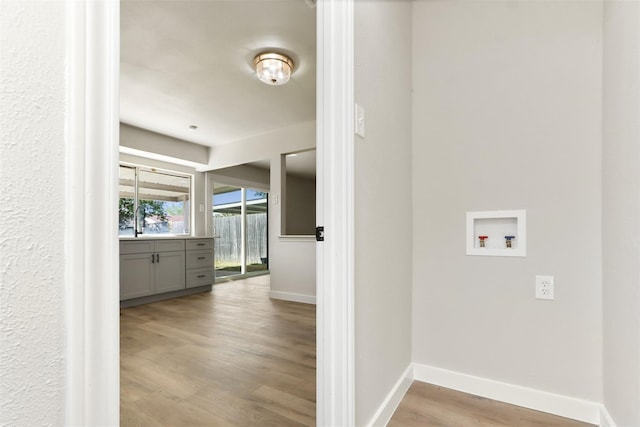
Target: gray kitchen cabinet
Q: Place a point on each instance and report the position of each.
(199, 262)
(153, 269)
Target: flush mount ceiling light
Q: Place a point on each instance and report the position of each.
(273, 68)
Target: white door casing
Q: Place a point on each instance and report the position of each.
(335, 211)
(91, 219)
(91, 259)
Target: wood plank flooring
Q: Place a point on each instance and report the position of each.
(433, 406)
(231, 357)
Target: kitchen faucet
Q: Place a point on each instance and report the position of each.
(136, 217)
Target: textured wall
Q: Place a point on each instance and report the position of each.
(506, 115)
(32, 212)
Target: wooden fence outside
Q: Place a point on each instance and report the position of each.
(228, 246)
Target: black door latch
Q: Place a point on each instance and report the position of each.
(320, 233)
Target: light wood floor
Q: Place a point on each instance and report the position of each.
(231, 357)
(433, 406)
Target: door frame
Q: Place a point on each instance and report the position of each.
(335, 369)
(91, 193)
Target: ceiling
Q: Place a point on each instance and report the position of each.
(187, 62)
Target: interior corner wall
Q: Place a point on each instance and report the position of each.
(32, 184)
(301, 205)
(621, 211)
(507, 115)
(383, 214)
(292, 261)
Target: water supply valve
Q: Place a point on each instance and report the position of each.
(482, 239)
(508, 240)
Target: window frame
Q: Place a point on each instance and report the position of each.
(146, 168)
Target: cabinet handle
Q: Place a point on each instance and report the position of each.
(201, 276)
(200, 244)
(158, 258)
(202, 257)
(152, 259)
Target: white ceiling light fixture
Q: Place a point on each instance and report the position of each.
(273, 68)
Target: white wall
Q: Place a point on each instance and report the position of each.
(292, 261)
(301, 205)
(507, 115)
(199, 188)
(382, 201)
(146, 141)
(621, 211)
(260, 147)
(243, 176)
(32, 174)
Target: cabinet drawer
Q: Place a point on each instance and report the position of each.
(199, 259)
(137, 247)
(145, 245)
(199, 277)
(199, 244)
(169, 245)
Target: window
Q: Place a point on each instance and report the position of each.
(153, 201)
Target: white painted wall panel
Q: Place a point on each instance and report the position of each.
(292, 262)
(507, 115)
(383, 216)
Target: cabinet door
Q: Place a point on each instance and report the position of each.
(136, 276)
(169, 271)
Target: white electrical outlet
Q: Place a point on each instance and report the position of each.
(544, 287)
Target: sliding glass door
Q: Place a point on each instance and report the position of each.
(227, 231)
(256, 231)
(239, 230)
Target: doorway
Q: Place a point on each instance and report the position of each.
(92, 309)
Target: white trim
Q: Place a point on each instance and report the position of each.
(390, 404)
(297, 238)
(564, 406)
(290, 296)
(605, 418)
(335, 372)
(91, 244)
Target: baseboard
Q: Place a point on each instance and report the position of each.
(605, 418)
(390, 404)
(564, 406)
(290, 296)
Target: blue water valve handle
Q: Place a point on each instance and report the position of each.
(509, 239)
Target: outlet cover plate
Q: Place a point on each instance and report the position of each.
(544, 287)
